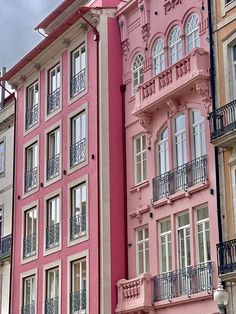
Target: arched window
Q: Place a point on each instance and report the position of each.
(198, 134)
(192, 33)
(163, 152)
(158, 57)
(137, 71)
(175, 45)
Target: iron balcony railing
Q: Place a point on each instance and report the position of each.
(31, 179)
(5, 246)
(28, 309)
(78, 152)
(31, 116)
(53, 101)
(226, 256)
(187, 281)
(77, 226)
(180, 178)
(223, 120)
(52, 306)
(78, 83)
(53, 167)
(29, 245)
(52, 236)
(78, 302)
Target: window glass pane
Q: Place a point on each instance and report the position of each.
(180, 123)
(202, 213)
(234, 52)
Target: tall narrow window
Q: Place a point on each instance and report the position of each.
(163, 152)
(137, 71)
(78, 211)
(198, 132)
(28, 306)
(140, 159)
(203, 235)
(184, 241)
(53, 222)
(54, 82)
(30, 232)
(54, 154)
(175, 45)
(1, 224)
(234, 71)
(31, 167)
(78, 70)
(78, 139)
(78, 286)
(165, 246)
(32, 105)
(142, 247)
(192, 33)
(158, 57)
(2, 157)
(180, 140)
(52, 291)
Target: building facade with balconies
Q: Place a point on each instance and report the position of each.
(69, 215)
(171, 189)
(222, 127)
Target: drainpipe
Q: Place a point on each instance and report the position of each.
(13, 193)
(212, 82)
(3, 90)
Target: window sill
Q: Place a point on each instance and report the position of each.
(53, 180)
(78, 240)
(52, 249)
(29, 259)
(227, 7)
(31, 129)
(30, 192)
(76, 97)
(140, 186)
(78, 166)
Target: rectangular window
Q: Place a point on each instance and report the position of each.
(203, 235)
(234, 73)
(78, 211)
(165, 246)
(52, 291)
(31, 167)
(30, 232)
(53, 222)
(2, 157)
(184, 241)
(180, 140)
(78, 70)
(1, 223)
(198, 133)
(78, 286)
(140, 159)
(142, 249)
(32, 110)
(54, 82)
(78, 139)
(54, 154)
(28, 306)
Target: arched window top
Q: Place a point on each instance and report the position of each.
(192, 32)
(192, 23)
(164, 135)
(138, 62)
(137, 72)
(158, 56)
(175, 36)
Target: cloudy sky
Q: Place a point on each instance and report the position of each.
(17, 21)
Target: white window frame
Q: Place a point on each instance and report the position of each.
(33, 151)
(144, 252)
(182, 134)
(165, 235)
(143, 158)
(192, 32)
(57, 213)
(53, 149)
(158, 55)
(225, 7)
(202, 222)
(32, 280)
(175, 45)
(53, 294)
(34, 100)
(162, 152)
(199, 126)
(137, 71)
(81, 65)
(54, 84)
(2, 158)
(1, 222)
(183, 229)
(34, 211)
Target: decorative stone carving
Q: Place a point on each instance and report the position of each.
(37, 66)
(146, 33)
(125, 47)
(23, 79)
(66, 42)
(173, 105)
(145, 120)
(170, 4)
(202, 89)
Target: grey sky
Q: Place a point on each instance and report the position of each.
(17, 21)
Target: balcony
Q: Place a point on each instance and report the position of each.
(223, 125)
(31, 116)
(31, 179)
(78, 152)
(77, 83)
(28, 309)
(77, 226)
(226, 257)
(5, 247)
(183, 282)
(53, 101)
(180, 178)
(78, 302)
(52, 236)
(135, 294)
(52, 306)
(29, 245)
(180, 78)
(53, 167)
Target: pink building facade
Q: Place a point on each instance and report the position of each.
(171, 192)
(69, 200)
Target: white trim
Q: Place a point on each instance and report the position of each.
(29, 273)
(144, 240)
(225, 7)
(141, 153)
(165, 234)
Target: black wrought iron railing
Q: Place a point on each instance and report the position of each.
(52, 306)
(28, 309)
(78, 152)
(52, 236)
(226, 256)
(180, 178)
(29, 245)
(31, 179)
(53, 167)
(53, 100)
(222, 120)
(78, 83)
(5, 246)
(187, 281)
(31, 116)
(77, 226)
(78, 302)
